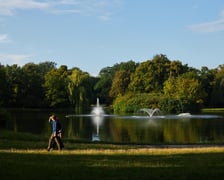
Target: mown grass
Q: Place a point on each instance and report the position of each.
(212, 110)
(106, 161)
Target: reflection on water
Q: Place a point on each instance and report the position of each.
(161, 129)
(97, 122)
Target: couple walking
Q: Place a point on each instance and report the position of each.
(56, 135)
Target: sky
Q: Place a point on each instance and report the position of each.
(94, 34)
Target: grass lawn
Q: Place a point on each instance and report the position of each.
(27, 158)
(212, 110)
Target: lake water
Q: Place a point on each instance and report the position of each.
(134, 128)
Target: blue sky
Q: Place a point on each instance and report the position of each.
(93, 34)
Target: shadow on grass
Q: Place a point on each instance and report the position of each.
(74, 164)
(78, 166)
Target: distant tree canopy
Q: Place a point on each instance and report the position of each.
(150, 75)
(126, 86)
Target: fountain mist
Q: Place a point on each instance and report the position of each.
(97, 110)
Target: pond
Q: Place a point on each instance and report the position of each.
(139, 128)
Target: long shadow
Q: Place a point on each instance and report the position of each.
(95, 166)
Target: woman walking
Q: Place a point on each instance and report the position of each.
(56, 135)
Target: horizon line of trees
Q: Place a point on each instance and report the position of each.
(125, 87)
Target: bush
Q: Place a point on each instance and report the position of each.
(130, 103)
(168, 105)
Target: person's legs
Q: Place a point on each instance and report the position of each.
(60, 142)
(57, 141)
(50, 142)
(53, 144)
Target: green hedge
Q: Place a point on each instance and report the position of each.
(131, 103)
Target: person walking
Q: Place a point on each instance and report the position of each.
(55, 138)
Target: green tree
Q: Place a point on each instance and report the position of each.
(46, 66)
(217, 95)
(187, 90)
(79, 89)
(102, 87)
(24, 84)
(176, 69)
(3, 85)
(33, 91)
(56, 87)
(120, 83)
(15, 86)
(150, 75)
(207, 79)
(106, 78)
(128, 66)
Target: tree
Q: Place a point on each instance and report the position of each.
(15, 86)
(33, 91)
(106, 78)
(150, 75)
(56, 87)
(3, 85)
(120, 83)
(207, 79)
(217, 97)
(128, 66)
(176, 69)
(46, 66)
(187, 90)
(104, 84)
(78, 87)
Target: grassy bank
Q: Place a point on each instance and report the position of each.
(212, 110)
(25, 157)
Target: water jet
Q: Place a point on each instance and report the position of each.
(150, 112)
(97, 110)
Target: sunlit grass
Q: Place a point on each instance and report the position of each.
(130, 163)
(129, 151)
(212, 109)
(25, 157)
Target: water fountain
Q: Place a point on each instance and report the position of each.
(97, 116)
(97, 110)
(150, 112)
(97, 121)
(156, 113)
(184, 115)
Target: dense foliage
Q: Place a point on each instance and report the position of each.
(127, 86)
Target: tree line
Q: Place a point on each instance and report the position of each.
(125, 87)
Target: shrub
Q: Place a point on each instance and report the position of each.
(130, 103)
(168, 105)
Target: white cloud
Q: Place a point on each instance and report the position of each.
(4, 38)
(213, 26)
(209, 27)
(19, 59)
(100, 8)
(65, 11)
(70, 2)
(105, 17)
(9, 7)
